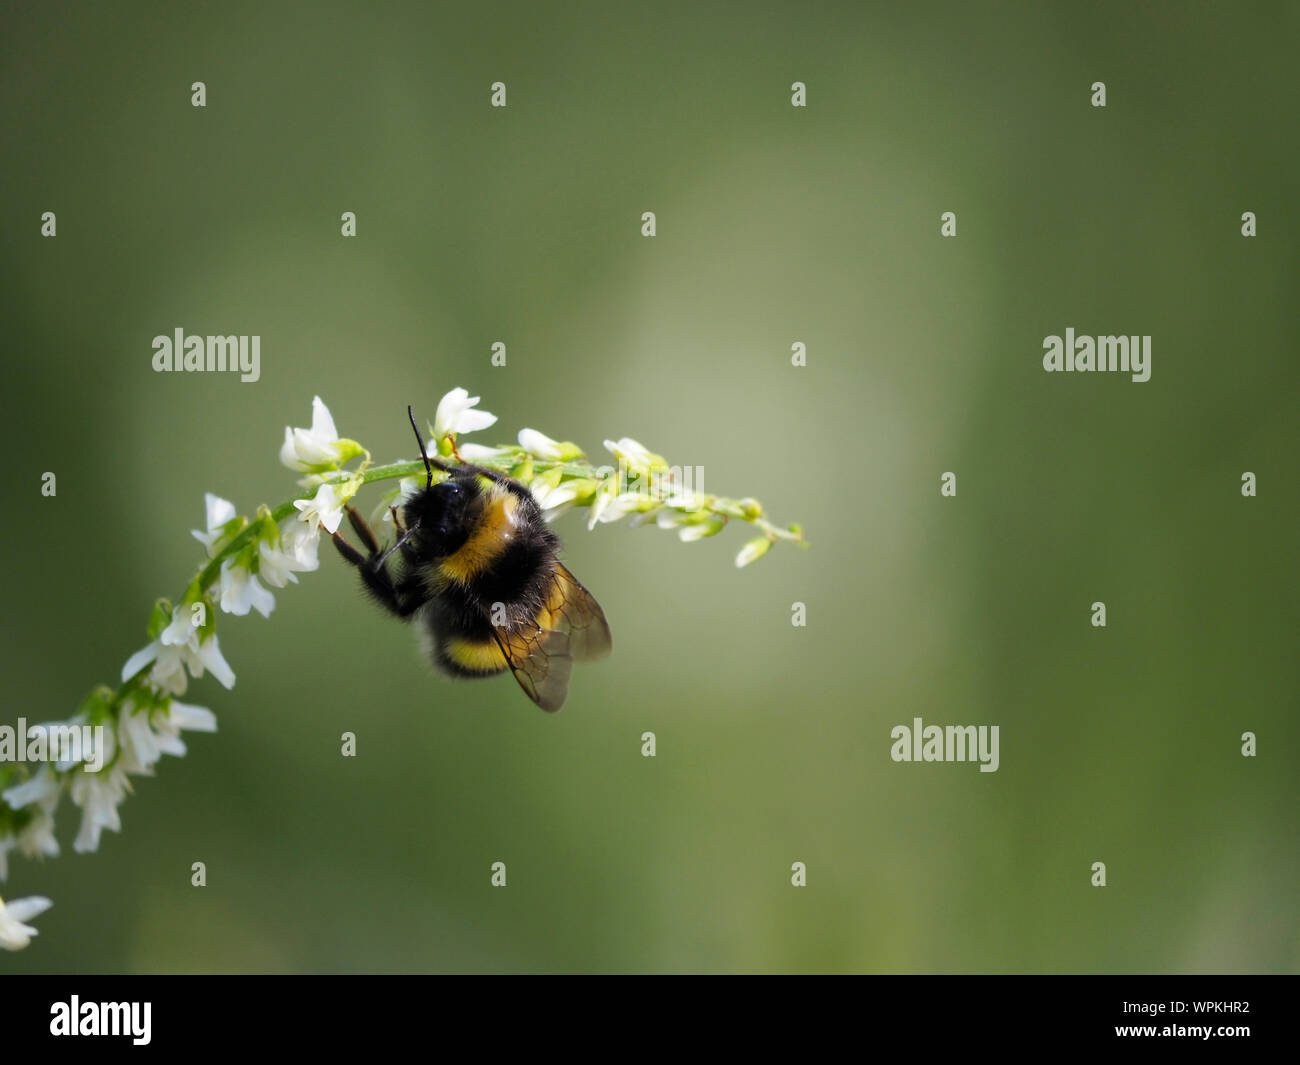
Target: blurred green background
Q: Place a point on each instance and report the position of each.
(775, 225)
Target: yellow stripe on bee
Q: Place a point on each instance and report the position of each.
(492, 534)
(476, 657)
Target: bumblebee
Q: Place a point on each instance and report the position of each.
(480, 574)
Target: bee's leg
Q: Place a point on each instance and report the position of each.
(350, 554)
(413, 593)
(363, 530)
(402, 601)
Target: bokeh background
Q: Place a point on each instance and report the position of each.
(775, 225)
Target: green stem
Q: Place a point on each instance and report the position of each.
(395, 470)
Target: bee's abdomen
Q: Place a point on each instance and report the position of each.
(463, 642)
(467, 658)
(462, 619)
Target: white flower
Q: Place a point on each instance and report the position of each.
(220, 511)
(455, 416)
(539, 444)
(311, 449)
(633, 455)
(98, 795)
(690, 533)
(326, 508)
(687, 499)
(279, 566)
(482, 454)
(604, 496)
(42, 787)
(645, 517)
(37, 836)
(543, 447)
(299, 542)
(168, 671)
(550, 491)
(690, 527)
(752, 551)
(241, 591)
(610, 504)
(274, 566)
(139, 745)
(182, 716)
(627, 503)
(15, 933)
(179, 646)
(554, 499)
(148, 736)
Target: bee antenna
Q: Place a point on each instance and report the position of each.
(400, 541)
(427, 468)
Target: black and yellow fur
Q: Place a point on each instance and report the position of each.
(481, 574)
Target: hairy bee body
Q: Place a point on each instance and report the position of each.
(480, 574)
(499, 578)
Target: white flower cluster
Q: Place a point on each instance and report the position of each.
(559, 477)
(246, 558)
(147, 725)
(692, 516)
(145, 720)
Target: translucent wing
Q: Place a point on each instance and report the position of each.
(541, 661)
(574, 610)
(570, 626)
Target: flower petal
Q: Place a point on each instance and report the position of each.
(139, 660)
(26, 909)
(209, 654)
(322, 421)
(474, 420)
(455, 416)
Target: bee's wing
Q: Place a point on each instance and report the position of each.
(574, 610)
(541, 660)
(570, 626)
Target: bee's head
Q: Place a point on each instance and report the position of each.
(440, 516)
